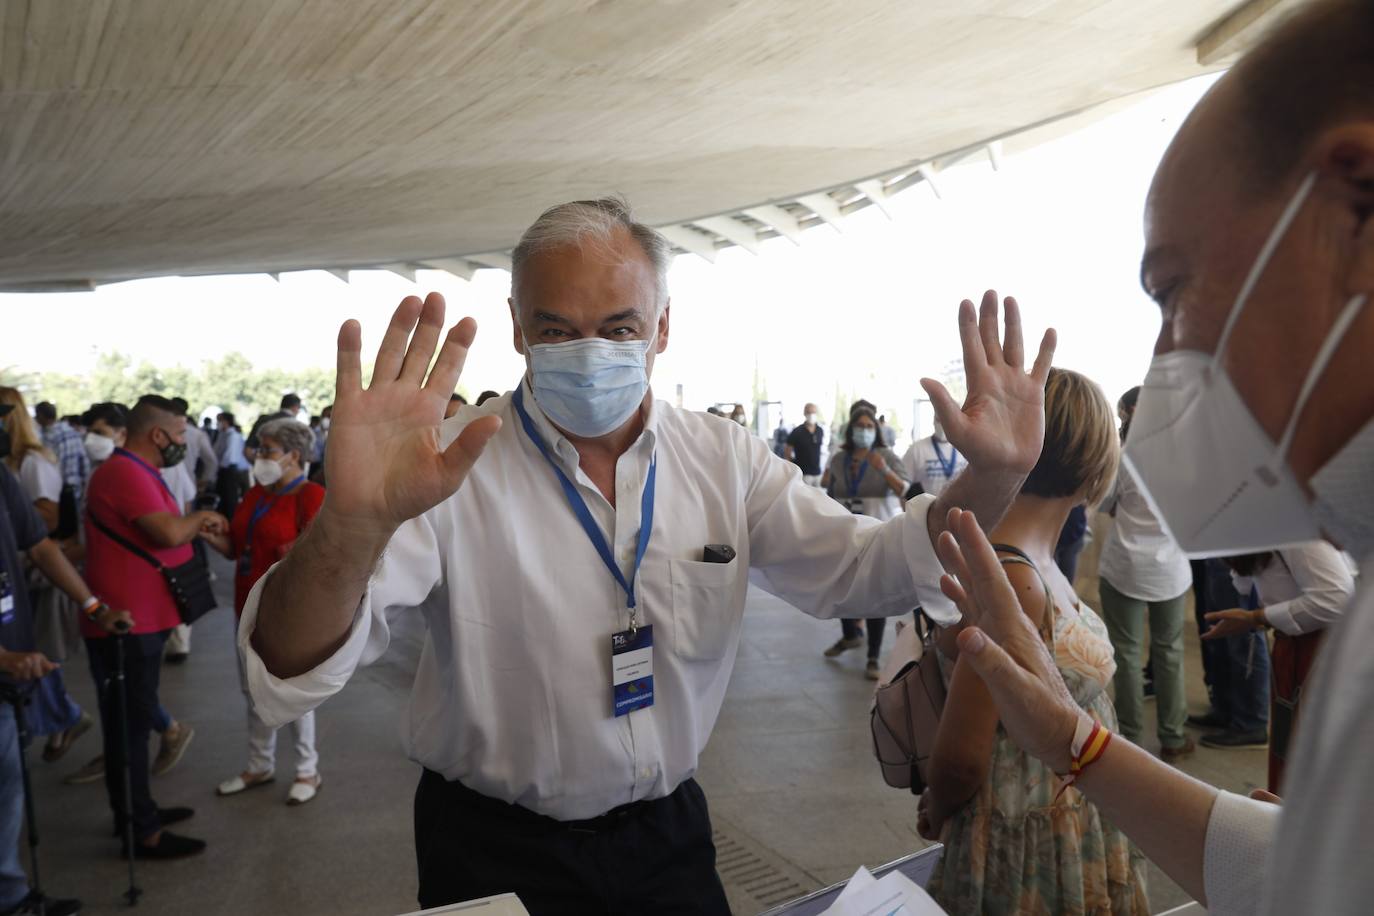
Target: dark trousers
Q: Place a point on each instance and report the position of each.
(1236, 669)
(650, 857)
(875, 626)
(142, 668)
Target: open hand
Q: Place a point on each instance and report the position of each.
(1001, 425)
(1001, 644)
(384, 463)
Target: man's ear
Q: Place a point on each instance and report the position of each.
(663, 327)
(519, 338)
(1347, 155)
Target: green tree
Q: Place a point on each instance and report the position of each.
(229, 383)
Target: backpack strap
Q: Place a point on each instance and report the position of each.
(1019, 558)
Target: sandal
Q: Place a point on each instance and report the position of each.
(303, 789)
(243, 782)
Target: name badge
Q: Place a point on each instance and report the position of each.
(854, 504)
(6, 599)
(632, 670)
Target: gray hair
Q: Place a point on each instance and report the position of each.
(580, 221)
(292, 435)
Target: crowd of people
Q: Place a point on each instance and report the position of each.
(98, 508)
(581, 554)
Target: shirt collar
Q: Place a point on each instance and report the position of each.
(559, 444)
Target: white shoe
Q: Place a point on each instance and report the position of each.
(241, 784)
(303, 789)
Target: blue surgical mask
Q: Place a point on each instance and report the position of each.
(864, 438)
(589, 387)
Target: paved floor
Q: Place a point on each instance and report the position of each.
(795, 795)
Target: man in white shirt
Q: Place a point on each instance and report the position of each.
(584, 588)
(931, 463)
(1257, 426)
(1143, 576)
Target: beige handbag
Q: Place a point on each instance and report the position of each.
(906, 708)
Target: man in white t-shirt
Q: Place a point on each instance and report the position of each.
(931, 463)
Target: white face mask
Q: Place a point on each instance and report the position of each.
(324, 423)
(1217, 480)
(811, 418)
(267, 472)
(98, 447)
(864, 438)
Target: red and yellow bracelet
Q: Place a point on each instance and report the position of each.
(1090, 742)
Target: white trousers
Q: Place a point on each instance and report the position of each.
(262, 738)
(179, 640)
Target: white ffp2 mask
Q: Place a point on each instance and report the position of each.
(1217, 480)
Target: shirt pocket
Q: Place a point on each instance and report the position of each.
(704, 617)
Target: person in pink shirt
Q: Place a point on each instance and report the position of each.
(129, 503)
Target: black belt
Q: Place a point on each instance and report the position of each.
(485, 805)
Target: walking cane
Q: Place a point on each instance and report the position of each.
(121, 696)
(19, 699)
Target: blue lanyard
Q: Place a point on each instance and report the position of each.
(264, 506)
(855, 481)
(584, 515)
(948, 466)
(157, 475)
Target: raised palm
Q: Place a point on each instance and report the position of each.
(1001, 425)
(384, 463)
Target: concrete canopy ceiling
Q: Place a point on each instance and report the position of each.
(156, 137)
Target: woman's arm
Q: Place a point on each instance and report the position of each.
(47, 510)
(964, 742)
(1165, 812)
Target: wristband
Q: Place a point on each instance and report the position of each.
(93, 608)
(1090, 740)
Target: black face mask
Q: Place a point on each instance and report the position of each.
(172, 453)
(4, 442)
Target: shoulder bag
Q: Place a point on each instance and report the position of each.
(189, 582)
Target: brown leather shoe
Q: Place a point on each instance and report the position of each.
(1175, 754)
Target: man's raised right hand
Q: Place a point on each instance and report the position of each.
(383, 463)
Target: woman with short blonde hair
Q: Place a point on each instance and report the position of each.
(1015, 839)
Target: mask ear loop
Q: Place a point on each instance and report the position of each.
(1290, 213)
(1328, 349)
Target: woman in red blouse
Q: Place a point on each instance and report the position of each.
(267, 522)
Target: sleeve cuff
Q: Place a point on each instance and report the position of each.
(924, 564)
(1240, 836)
(1280, 617)
(279, 701)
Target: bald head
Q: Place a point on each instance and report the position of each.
(1300, 106)
(1314, 71)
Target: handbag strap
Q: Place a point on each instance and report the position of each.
(1019, 558)
(127, 544)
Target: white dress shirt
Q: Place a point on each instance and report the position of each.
(1317, 860)
(513, 692)
(1303, 589)
(926, 461)
(1140, 559)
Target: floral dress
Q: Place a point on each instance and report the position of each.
(1014, 848)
